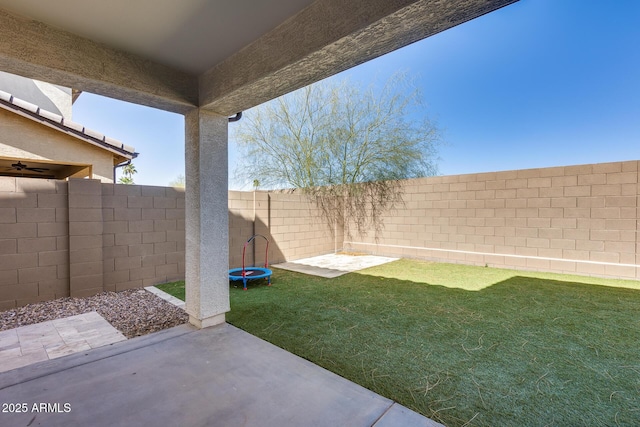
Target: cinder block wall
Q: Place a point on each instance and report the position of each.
(241, 227)
(143, 239)
(34, 241)
(85, 237)
(298, 228)
(574, 219)
(82, 237)
(288, 219)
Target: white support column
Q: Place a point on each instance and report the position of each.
(206, 218)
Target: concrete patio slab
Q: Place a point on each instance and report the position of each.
(333, 265)
(187, 377)
(398, 416)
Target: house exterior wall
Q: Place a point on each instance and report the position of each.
(25, 139)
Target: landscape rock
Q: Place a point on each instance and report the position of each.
(133, 312)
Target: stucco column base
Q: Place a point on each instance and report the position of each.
(206, 218)
(209, 321)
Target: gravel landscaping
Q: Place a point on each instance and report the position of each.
(133, 312)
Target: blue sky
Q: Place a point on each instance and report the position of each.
(538, 83)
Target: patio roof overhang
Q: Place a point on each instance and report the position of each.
(209, 59)
(179, 55)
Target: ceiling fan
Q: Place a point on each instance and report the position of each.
(21, 166)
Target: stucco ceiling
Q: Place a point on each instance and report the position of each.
(189, 35)
(223, 56)
(27, 168)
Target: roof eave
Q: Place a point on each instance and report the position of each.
(31, 111)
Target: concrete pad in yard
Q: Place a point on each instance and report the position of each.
(333, 265)
(216, 376)
(327, 273)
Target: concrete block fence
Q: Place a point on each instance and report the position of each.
(80, 237)
(34, 241)
(573, 219)
(290, 222)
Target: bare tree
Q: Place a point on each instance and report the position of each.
(178, 182)
(344, 145)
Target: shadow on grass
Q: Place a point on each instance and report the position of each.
(524, 351)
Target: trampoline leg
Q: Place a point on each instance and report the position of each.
(244, 284)
(269, 281)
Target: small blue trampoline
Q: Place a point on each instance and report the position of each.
(252, 273)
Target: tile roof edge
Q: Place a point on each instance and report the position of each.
(58, 122)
